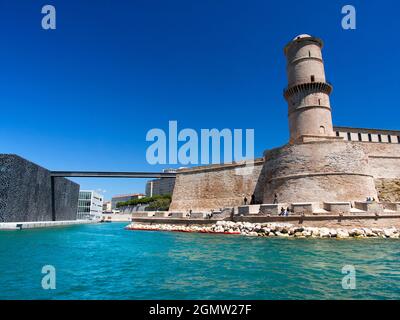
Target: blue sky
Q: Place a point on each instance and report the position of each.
(83, 96)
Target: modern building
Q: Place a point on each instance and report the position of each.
(160, 186)
(107, 207)
(29, 193)
(90, 205)
(125, 197)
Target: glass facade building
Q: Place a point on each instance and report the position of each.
(90, 205)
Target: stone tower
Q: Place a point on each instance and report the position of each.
(316, 165)
(307, 93)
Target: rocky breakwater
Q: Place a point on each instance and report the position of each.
(179, 228)
(273, 230)
(289, 230)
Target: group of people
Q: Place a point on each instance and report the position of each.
(284, 212)
(370, 199)
(210, 214)
(253, 199)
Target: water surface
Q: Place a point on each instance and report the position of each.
(104, 261)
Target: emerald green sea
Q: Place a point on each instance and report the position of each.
(104, 261)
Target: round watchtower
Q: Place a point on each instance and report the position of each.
(307, 93)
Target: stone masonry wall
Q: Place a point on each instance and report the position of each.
(384, 163)
(384, 159)
(388, 189)
(317, 171)
(25, 192)
(216, 186)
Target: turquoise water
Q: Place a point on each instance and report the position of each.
(104, 261)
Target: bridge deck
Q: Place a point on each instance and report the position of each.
(108, 174)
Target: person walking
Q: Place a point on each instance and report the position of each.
(245, 201)
(253, 199)
(275, 198)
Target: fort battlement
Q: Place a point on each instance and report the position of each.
(368, 135)
(320, 162)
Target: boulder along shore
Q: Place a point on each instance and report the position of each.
(273, 230)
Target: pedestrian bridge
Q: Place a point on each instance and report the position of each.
(100, 174)
(110, 174)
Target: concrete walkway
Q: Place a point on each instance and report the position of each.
(41, 224)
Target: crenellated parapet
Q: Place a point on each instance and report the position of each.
(307, 88)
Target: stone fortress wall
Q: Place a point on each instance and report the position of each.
(318, 171)
(310, 172)
(321, 163)
(368, 135)
(217, 186)
(383, 150)
(384, 163)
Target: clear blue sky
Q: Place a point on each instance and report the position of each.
(83, 97)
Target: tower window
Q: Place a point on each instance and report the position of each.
(319, 101)
(312, 78)
(398, 139)
(322, 130)
(389, 138)
(309, 53)
(379, 138)
(349, 136)
(359, 137)
(369, 137)
(337, 133)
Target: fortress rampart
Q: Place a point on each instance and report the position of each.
(309, 172)
(368, 135)
(320, 163)
(318, 171)
(217, 186)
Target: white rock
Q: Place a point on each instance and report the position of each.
(342, 234)
(306, 233)
(333, 233)
(356, 232)
(388, 233)
(368, 232)
(315, 232)
(252, 234)
(324, 232)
